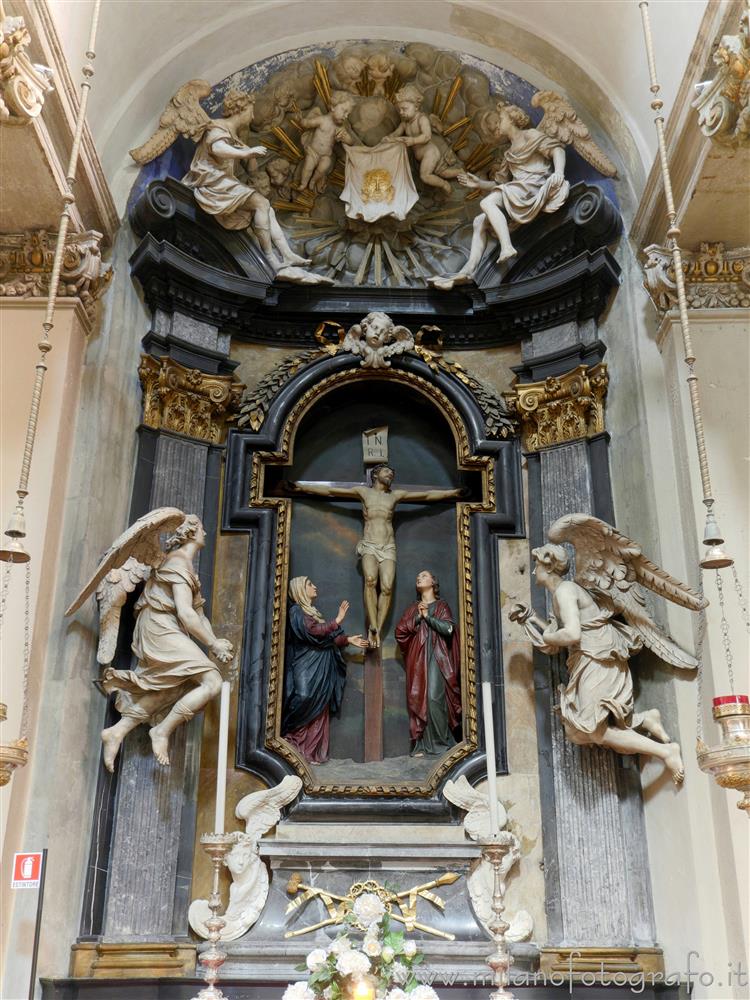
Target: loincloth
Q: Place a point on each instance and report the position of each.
(383, 553)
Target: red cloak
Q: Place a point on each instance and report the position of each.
(411, 636)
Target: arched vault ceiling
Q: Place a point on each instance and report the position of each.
(592, 51)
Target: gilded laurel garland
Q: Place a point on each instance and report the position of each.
(559, 409)
(283, 527)
(186, 400)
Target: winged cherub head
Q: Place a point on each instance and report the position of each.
(377, 328)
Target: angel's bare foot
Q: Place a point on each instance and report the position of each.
(294, 258)
(159, 744)
(673, 761)
(111, 744)
(506, 253)
(651, 723)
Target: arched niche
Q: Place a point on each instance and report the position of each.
(460, 454)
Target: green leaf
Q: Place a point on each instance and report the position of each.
(301, 968)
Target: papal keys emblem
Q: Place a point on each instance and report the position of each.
(377, 185)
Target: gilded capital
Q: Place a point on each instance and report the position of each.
(561, 408)
(186, 400)
(715, 278)
(723, 102)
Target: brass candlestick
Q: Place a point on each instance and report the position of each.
(217, 846)
(499, 961)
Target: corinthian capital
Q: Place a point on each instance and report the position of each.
(23, 84)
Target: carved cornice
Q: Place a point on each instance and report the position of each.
(23, 84)
(715, 278)
(723, 103)
(26, 266)
(564, 408)
(186, 400)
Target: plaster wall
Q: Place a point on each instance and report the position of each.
(697, 840)
(20, 330)
(51, 798)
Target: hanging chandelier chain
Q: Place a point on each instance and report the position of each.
(673, 233)
(24, 730)
(745, 614)
(726, 642)
(700, 640)
(4, 586)
(69, 199)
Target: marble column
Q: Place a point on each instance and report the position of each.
(137, 913)
(598, 892)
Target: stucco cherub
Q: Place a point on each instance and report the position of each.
(212, 174)
(260, 811)
(327, 130)
(380, 69)
(417, 130)
(529, 179)
(596, 704)
(174, 678)
(376, 339)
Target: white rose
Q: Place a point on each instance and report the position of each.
(372, 947)
(353, 963)
(368, 908)
(423, 992)
(316, 959)
(388, 953)
(339, 946)
(396, 994)
(298, 991)
(410, 949)
(400, 973)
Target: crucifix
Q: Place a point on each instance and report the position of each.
(377, 552)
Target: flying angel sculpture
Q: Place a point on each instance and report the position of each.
(174, 678)
(212, 176)
(260, 811)
(530, 177)
(596, 705)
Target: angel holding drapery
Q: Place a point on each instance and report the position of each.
(530, 177)
(597, 704)
(174, 678)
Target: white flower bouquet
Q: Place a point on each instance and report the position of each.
(384, 963)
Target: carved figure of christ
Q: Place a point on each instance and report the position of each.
(377, 549)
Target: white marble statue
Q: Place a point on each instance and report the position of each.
(248, 892)
(174, 678)
(421, 133)
(481, 880)
(596, 704)
(377, 338)
(323, 131)
(529, 179)
(212, 176)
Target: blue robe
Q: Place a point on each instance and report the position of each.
(314, 670)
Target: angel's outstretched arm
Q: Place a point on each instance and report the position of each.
(236, 152)
(567, 605)
(558, 160)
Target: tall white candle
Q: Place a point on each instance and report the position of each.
(489, 742)
(221, 759)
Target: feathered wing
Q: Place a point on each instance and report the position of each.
(611, 566)
(183, 115)
(260, 811)
(561, 122)
(354, 341)
(140, 541)
(462, 793)
(403, 342)
(111, 595)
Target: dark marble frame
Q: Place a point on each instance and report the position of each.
(505, 520)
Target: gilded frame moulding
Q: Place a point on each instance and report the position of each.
(561, 408)
(466, 462)
(186, 400)
(715, 278)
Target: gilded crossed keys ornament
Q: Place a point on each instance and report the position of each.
(339, 907)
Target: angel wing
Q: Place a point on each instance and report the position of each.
(183, 115)
(111, 595)
(140, 540)
(402, 342)
(562, 123)
(476, 804)
(354, 341)
(262, 810)
(611, 566)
